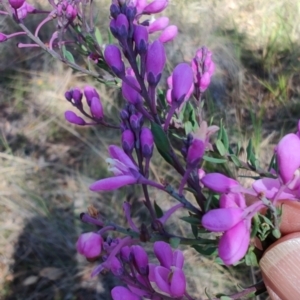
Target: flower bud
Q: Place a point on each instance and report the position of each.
(72, 118)
(89, 93)
(219, 183)
(112, 55)
(128, 141)
(155, 62)
(130, 94)
(155, 7)
(135, 122)
(116, 267)
(89, 244)
(168, 34)
(140, 37)
(147, 142)
(125, 254)
(69, 95)
(96, 108)
(182, 80)
(77, 96)
(114, 10)
(16, 3)
(195, 152)
(159, 24)
(122, 25)
(140, 259)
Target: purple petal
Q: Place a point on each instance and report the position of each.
(288, 158)
(218, 182)
(159, 24)
(168, 34)
(270, 187)
(118, 153)
(161, 275)
(164, 253)
(178, 259)
(112, 183)
(222, 219)
(178, 283)
(236, 200)
(155, 6)
(140, 258)
(122, 293)
(234, 243)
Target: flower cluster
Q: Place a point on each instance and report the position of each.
(165, 117)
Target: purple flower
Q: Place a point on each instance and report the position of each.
(234, 243)
(112, 55)
(169, 276)
(234, 219)
(125, 171)
(203, 68)
(288, 158)
(89, 244)
(155, 62)
(72, 118)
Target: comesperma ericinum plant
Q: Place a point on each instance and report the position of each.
(154, 115)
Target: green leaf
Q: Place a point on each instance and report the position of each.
(158, 210)
(225, 139)
(98, 36)
(161, 142)
(251, 260)
(221, 148)
(206, 251)
(188, 127)
(194, 230)
(68, 55)
(214, 160)
(174, 242)
(226, 298)
(276, 233)
(191, 220)
(235, 160)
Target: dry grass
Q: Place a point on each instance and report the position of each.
(46, 164)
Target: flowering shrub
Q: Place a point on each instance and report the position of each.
(169, 116)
